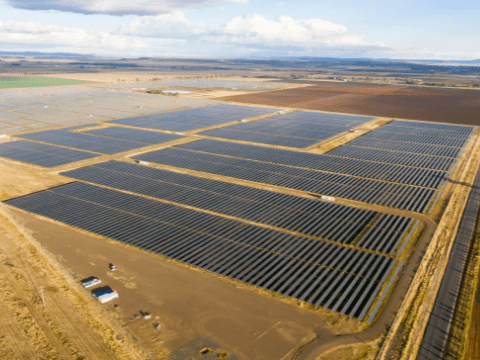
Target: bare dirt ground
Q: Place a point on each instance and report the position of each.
(185, 302)
(457, 106)
(65, 323)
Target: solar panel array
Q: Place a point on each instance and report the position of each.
(41, 154)
(321, 118)
(395, 157)
(297, 129)
(148, 137)
(196, 118)
(320, 273)
(385, 233)
(419, 148)
(310, 217)
(435, 134)
(365, 169)
(232, 134)
(87, 142)
(371, 191)
(424, 145)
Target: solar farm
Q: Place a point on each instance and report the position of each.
(255, 195)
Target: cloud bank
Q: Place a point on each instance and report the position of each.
(252, 30)
(115, 7)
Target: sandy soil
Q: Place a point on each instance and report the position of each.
(17, 179)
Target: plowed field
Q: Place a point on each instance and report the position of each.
(456, 106)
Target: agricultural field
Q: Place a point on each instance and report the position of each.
(302, 228)
(12, 82)
(457, 106)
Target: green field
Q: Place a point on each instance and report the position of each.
(9, 82)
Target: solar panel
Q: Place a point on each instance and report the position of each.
(292, 265)
(311, 217)
(371, 191)
(41, 154)
(290, 141)
(366, 169)
(149, 137)
(395, 157)
(83, 141)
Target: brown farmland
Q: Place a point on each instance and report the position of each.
(458, 106)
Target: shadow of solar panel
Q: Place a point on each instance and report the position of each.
(83, 142)
(332, 277)
(371, 191)
(149, 137)
(306, 216)
(367, 169)
(41, 154)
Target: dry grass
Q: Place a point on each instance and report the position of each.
(464, 341)
(64, 295)
(360, 351)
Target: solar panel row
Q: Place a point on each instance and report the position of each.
(263, 138)
(149, 123)
(417, 148)
(79, 127)
(435, 140)
(194, 119)
(225, 246)
(41, 154)
(366, 169)
(278, 130)
(295, 124)
(149, 137)
(371, 191)
(463, 133)
(82, 141)
(310, 217)
(429, 125)
(385, 233)
(395, 157)
(326, 118)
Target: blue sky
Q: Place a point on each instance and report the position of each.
(421, 29)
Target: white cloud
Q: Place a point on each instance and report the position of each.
(256, 29)
(252, 30)
(115, 7)
(36, 33)
(173, 25)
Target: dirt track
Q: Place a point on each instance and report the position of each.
(458, 106)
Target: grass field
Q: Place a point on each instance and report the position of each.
(12, 82)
